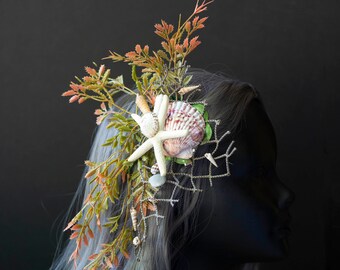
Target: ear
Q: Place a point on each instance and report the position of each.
(137, 118)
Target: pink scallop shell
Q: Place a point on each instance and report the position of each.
(182, 115)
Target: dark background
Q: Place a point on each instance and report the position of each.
(288, 49)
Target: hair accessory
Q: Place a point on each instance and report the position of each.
(211, 159)
(152, 127)
(165, 129)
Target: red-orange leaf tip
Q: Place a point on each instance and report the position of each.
(93, 256)
(86, 241)
(90, 232)
(98, 112)
(73, 99)
(69, 225)
(74, 235)
(115, 261)
(101, 70)
(138, 48)
(76, 227)
(90, 71)
(81, 100)
(126, 255)
(188, 26)
(146, 49)
(102, 106)
(69, 93)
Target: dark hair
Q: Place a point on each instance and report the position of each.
(227, 100)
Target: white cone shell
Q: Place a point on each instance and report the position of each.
(209, 157)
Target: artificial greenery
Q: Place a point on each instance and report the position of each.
(163, 71)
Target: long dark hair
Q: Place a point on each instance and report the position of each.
(227, 100)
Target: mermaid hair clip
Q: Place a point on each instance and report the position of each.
(164, 120)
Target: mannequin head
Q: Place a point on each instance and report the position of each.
(236, 220)
(244, 218)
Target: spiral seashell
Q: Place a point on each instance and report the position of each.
(149, 124)
(136, 241)
(187, 89)
(154, 169)
(142, 104)
(182, 115)
(133, 213)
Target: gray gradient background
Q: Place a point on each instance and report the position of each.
(289, 50)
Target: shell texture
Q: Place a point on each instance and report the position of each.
(154, 168)
(142, 104)
(136, 241)
(187, 89)
(209, 157)
(133, 213)
(157, 180)
(149, 124)
(181, 115)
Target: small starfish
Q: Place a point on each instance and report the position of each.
(156, 141)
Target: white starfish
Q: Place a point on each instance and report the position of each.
(161, 111)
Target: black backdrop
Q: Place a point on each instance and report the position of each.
(288, 49)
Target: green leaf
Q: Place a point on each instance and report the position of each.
(139, 86)
(205, 116)
(187, 79)
(106, 75)
(120, 79)
(199, 107)
(119, 116)
(162, 54)
(106, 203)
(145, 81)
(125, 128)
(207, 133)
(114, 228)
(108, 141)
(181, 161)
(133, 73)
(114, 218)
(112, 124)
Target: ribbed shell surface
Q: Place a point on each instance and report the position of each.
(182, 115)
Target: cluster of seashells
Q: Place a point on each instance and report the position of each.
(176, 116)
(181, 115)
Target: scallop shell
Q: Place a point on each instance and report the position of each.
(182, 115)
(149, 124)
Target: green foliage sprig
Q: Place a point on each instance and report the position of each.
(163, 71)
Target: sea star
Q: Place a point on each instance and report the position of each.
(156, 141)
